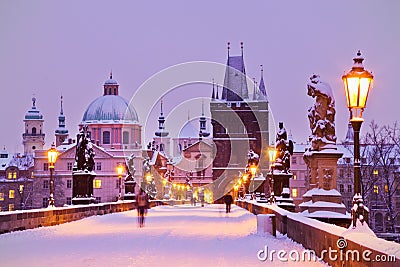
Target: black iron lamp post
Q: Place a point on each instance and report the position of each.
(357, 83)
(120, 171)
(52, 154)
(272, 158)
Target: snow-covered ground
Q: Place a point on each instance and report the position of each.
(172, 236)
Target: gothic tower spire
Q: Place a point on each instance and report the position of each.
(61, 133)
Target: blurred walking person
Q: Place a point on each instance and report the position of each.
(142, 204)
(228, 199)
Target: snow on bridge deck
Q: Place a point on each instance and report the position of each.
(172, 236)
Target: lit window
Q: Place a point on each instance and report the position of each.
(294, 177)
(1, 196)
(12, 175)
(10, 207)
(376, 191)
(21, 188)
(386, 188)
(96, 183)
(376, 172)
(11, 194)
(294, 192)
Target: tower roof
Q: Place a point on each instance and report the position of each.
(33, 113)
(235, 84)
(263, 92)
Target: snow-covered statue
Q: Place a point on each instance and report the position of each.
(284, 149)
(321, 115)
(146, 165)
(252, 158)
(84, 155)
(131, 166)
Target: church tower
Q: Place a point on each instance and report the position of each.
(33, 138)
(240, 123)
(161, 139)
(61, 132)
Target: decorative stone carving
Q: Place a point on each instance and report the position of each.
(321, 115)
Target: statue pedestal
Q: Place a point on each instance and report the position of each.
(322, 201)
(130, 190)
(281, 189)
(82, 187)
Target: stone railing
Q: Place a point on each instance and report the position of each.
(322, 238)
(29, 219)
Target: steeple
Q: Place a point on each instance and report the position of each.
(203, 129)
(262, 85)
(161, 120)
(255, 95)
(217, 97)
(61, 132)
(235, 85)
(213, 94)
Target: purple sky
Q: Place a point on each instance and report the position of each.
(53, 47)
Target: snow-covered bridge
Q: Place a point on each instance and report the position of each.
(173, 236)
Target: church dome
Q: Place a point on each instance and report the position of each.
(110, 82)
(110, 108)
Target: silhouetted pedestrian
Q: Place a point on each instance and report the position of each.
(142, 204)
(228, 199)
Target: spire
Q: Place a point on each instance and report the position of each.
(203, 129)
(61, 110)
(229, 47)
(110, 74)
(217, 97)
(254, 89)
(241, 47)
(61, 132)
(161, 120)
(262, 85)
(213, 94)
(33, 102)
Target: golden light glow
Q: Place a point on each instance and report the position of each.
(97, 183)
(164, 181)
(52, 155)
(120, 169)
(376, 190)
(174, 185)
(386, 188)
(376, 172)
(294, 192)
(272, 153)
(245, 176)
(253, 169)
(11, 194)
(148, 177)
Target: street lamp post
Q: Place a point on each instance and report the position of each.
(272, 158)
(120, 171)
(357, 83)
(52, 154)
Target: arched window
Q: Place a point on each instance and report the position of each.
(125, 137)
(106, 137)
(34, 130)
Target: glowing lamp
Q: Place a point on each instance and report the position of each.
(120, 170)
(52, 155)
(357, 83)
(272, 153)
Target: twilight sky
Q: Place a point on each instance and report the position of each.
(49, 48)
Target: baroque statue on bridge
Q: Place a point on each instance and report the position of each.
(84, 155)
(284, 149)
(321, 115)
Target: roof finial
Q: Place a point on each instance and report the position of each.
(262, 69)
(110, 74)
(61, 111)
(202, 107)
(217, 97)
(254, 88)
(229, 47)
(162, 113)
(33, 102)
(241, 47)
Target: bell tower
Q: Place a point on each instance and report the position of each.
(61, 132)
(33, 137)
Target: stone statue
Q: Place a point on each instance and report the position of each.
(284, 149)
(84, 155)
(146, 165)
(131, 167)
(321, 115)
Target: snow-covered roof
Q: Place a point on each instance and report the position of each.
(22, 162)
(110, 108)
(110, 82)
(321, 192)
